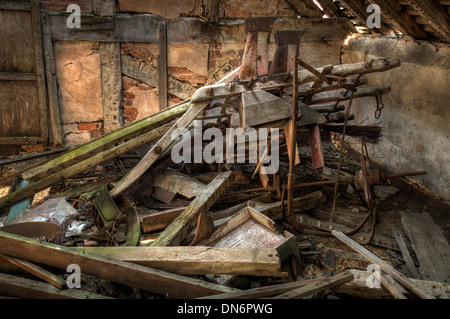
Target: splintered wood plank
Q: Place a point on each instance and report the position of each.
(406, 256)
(431, 248)
(19, 287)
(179, 183)
(160, 220)
(39, 272)
(316, 287)
(180, 228)
(383, 265)
(129, 274)
(198, 260)
(159, 147)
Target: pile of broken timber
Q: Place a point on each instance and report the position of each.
(193, 242)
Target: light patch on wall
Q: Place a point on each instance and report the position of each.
(347, 40)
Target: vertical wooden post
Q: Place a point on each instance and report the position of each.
(52, 87)
(40, 70)
(212, 10)
(111, 72)
(162, 65)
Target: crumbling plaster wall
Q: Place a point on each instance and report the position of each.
(416, 114)
(196, 63)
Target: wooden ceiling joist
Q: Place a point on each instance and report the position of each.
(435, 14)
(396, 14)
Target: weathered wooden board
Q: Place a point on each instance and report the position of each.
(431, 248)
(153, 280)
(179, 183)
(19, 287)
(358, 287)
(198, 260)
(179, 229)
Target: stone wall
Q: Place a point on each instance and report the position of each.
(416, 114)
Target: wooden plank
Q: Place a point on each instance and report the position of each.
(392, 287)
(40, 68)
(162, 65)
(179, 183)
(177, 231)
(159, 147)
(52, 86)
(383, 265)
(111, 73)
(198, 260)
(160, 220)
(81, 166)
(153, 280)
(19, 287)
(316, 287)
(300, 204)
(435, 15)
(397, 14)
(262, 292)
(431, 248)
(358, 288)
(54, 280)
(15, 5)
(12, 76)
(406, 256)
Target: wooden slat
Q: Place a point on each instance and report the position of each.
(10, 76)
(198, 260)
(156, 281)
(383, 265)
(392, 287)
(162, 65)
(15, 5)
(316, 287)
(397, 14)
(435, 14)
(358, 287)
(178, 230)
(31, 289)
(52, 86)
(431, 248)
(54, 280)
(40, 68)
(262, 292)
(406, 256)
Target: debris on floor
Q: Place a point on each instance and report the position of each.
(123, 219)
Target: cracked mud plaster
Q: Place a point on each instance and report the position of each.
(79, 80)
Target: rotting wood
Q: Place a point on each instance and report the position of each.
(148, 74)
(138, 276)
(52, 86)
(431, 247)
(158, 148)
(160, 220)
(162, 65)
(54, 280)
(177, 231)
(300, 204)
(198, 260)
(358, 288)
(316, 287)
(80, 167)
(383, 265)
(392, 287)
(406, 256)
(262, 292)
(92, 148)
(19, 287)
(179, 183)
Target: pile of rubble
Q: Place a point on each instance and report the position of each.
(123, 219)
